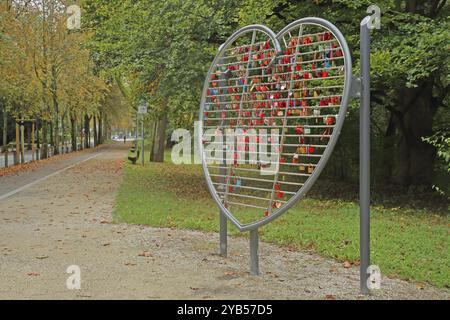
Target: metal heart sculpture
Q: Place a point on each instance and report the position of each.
(287, 93)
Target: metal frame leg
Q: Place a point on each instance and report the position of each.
(254, 248)
(223, 235)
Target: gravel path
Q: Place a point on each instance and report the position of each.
(66, 220)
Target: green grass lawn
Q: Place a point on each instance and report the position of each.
(406, 243)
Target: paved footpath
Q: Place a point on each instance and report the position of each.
(60, 214)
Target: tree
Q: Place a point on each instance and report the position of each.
(410, 73)
(46, 72)
(166, 45)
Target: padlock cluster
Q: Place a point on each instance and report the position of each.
(297, 92)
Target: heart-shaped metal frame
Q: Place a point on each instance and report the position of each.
(336, 131)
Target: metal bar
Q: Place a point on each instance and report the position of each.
(290, 64)
(261, 180)
(279, 99)
(246, 205)
(254, 259)
(240, 63)
(289, 174)
(271, 83)
(275, 100)
(246, 196)
(268, 109)
(284, 164)
(285, 145)
(263, 42)
(300, 46)
(231, 161)
(253, 188)
(275, 91)
(254, 143)
(305, 126)
(364, 158)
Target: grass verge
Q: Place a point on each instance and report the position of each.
(411, 244)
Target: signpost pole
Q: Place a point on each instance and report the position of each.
(364, 158)
(142, 110)
(142, 135)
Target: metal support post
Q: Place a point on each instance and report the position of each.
(254, 258)
(364, 157)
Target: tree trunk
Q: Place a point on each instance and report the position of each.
(100, 129)
(81, 134)
(153, 126)
(29, 138)
(95, 131)
(5, 127)
(52, 140)
(86, 131)
(38, 138)
(44, 141)
(160, 140)
(63, 132)
(55, 135)
(414, 120)
(73, 132)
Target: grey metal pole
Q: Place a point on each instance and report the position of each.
(254, 259)
(364, 157)
(223, 235)
(142, 145)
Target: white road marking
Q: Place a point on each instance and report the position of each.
(9, 194)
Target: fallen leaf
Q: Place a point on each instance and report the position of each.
(347, 264)
(329, 297)
(144, 254)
